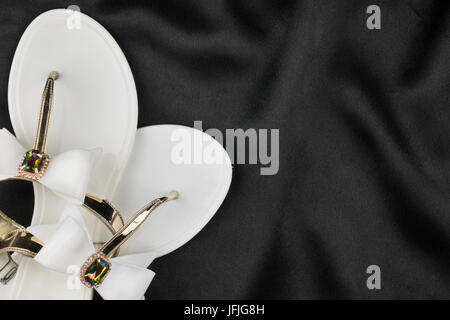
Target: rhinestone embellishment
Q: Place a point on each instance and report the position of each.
(33, 164)
(94, 270)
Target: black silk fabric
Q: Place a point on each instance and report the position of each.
(364, 120)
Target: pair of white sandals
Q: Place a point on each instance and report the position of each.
(95, 111)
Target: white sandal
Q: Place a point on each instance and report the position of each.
(95, 106)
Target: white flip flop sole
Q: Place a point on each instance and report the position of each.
(95, 105)
(154, 169)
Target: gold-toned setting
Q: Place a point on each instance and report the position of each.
(30, 167)
(97, 257)
(36, 174)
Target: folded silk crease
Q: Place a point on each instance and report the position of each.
(69, 244)
(68, 173)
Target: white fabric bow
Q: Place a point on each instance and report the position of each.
(68, 173)
(70, 245)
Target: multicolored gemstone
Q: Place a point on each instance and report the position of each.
(33, 164)
(95, 270)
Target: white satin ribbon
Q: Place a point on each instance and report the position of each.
(68, 173)
(70, 245)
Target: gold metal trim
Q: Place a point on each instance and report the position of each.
(15, 238)
(40, 140)
(125, 232)
(105, 211)
(9, 269)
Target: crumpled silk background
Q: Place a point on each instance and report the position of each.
(364, 119)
